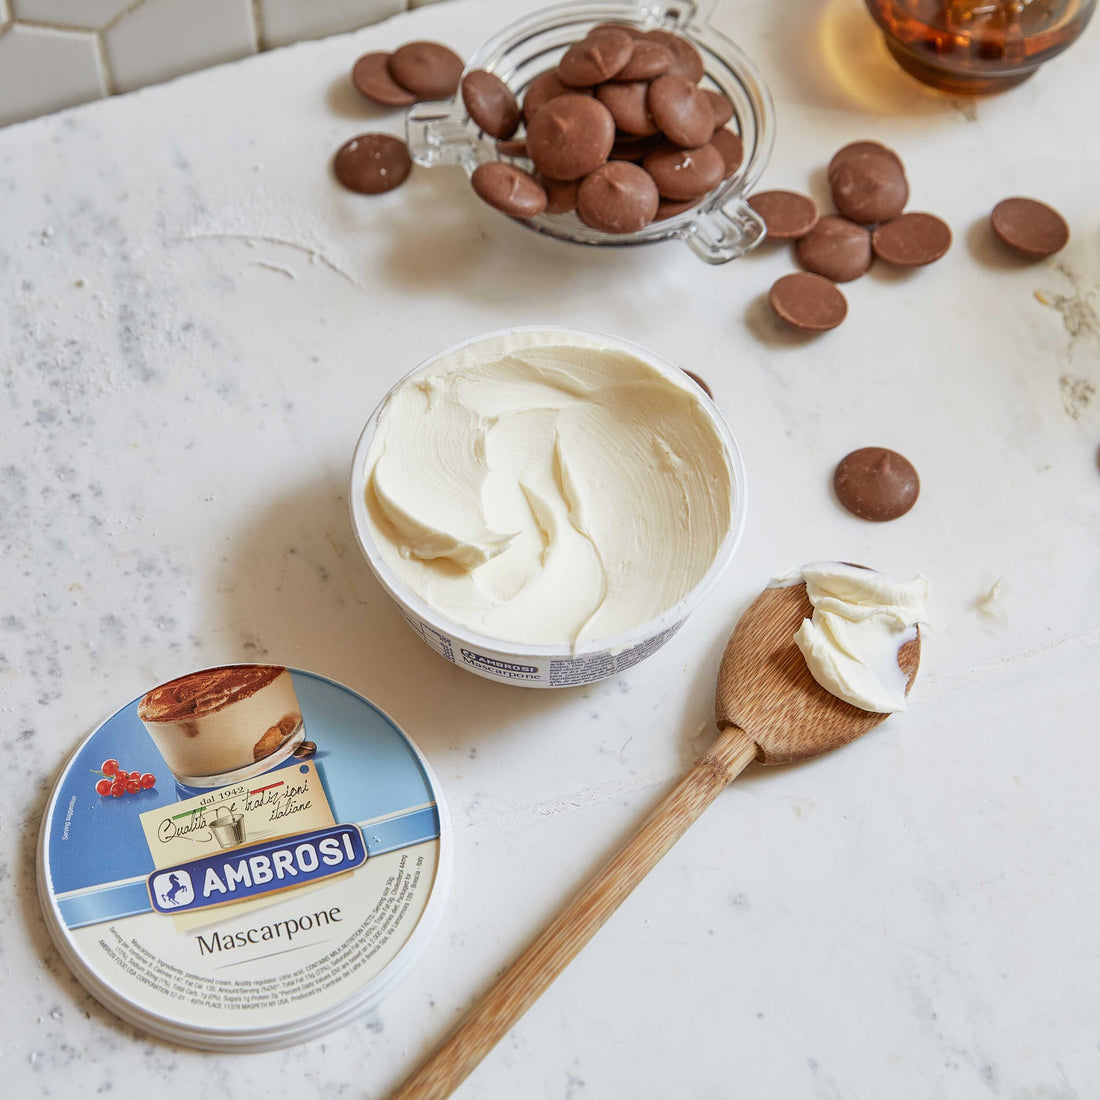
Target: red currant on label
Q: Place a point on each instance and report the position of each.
(135, 777)
(103, 787)
(133, 787)
(148, 780)
(118, 789)
(109, 767)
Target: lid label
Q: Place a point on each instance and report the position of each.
(256, 870)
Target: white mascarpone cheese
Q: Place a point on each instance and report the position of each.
(861, 619)
(543, 488)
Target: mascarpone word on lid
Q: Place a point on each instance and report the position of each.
(547, 489)
(861, 619)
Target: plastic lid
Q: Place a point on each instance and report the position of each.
(251, 868)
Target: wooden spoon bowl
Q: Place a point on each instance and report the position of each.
(769, 708)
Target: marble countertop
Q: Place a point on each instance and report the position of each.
(195, 322)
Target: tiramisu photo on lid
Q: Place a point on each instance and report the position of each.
(546, 506)
(243, 858)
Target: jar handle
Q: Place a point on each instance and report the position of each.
(721, 235)
(437, 135)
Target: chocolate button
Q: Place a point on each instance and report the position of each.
(721, 106)
(699, 382)
(859, 149)
(666, 208)
(595, 58)
(686, 59)
(561, 195)
(545, 87)
(787, 214)
(869, 187)
(512, 148)
(1030, 227)
(509, 189)
(635, 148)
(681, 110)
(627, 104)
(685, 173)
(618, 197)
(876, 484)
(648, 60)
(570, 137)
(372, 163)
(491, 104)
(371, 77)
(808, 302)
(428, 69)
(730, 146)
(836, 248)
(911, 240)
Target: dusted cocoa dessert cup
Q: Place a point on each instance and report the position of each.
(224, 724)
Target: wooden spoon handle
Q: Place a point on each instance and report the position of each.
(483, 1027)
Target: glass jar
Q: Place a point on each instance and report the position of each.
(721, 227)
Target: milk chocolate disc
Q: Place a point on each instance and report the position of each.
(681, 110)
(627, 147)
(666, 208)
(648, 60)
(491, 103)
(512, 148)
(372, 163)
(618, 197)
(545, 87)
(428, 69)
(561, 195)
(869, 187)
(808, 302)
(911, 240)
(859, 149)
(699, 382)
(686, 59)
(721, 106)
(730, 146)
(570, 137)
(1030, 227)
(596, 58)
(683, 174)
(509, 189)
(876, 484)
(627, 104)
(371, 77)
(787, 214)
(836, 248)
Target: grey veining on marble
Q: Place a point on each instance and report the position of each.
(194, 325)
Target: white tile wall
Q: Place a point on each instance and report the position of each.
(284, 21)
(71, 58)
(85, 14)
(57, 53)
(160, 39)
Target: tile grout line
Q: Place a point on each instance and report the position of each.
(258, 24)
(104, 63)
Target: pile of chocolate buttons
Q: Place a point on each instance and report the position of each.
(619, 131)
(869, 189)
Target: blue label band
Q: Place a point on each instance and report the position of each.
(256, 869)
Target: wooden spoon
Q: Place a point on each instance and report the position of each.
(769, 708)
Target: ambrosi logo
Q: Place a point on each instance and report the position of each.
(501, 668)
(257, 869)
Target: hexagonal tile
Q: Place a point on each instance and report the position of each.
(85, 14)
(165, 38)
(43, 70)
(286, 21)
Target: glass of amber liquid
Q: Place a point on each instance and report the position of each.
(973, 47)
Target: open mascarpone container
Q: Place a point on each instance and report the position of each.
(547, 506)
